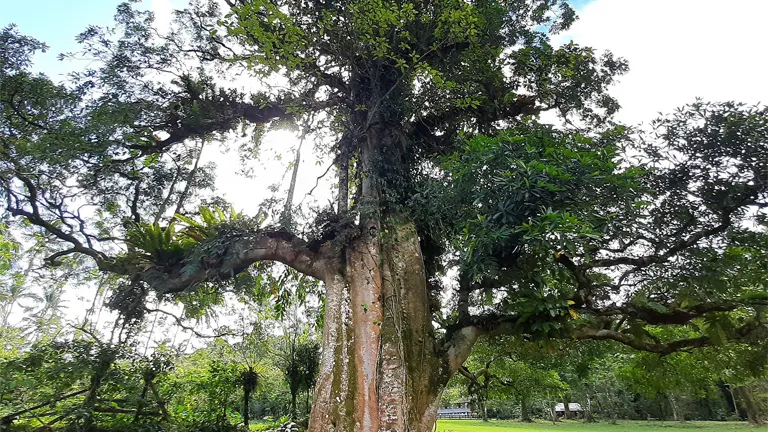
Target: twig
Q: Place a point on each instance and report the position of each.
(181, 324)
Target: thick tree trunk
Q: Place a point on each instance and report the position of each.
(567, 408)
(483, 407)
(525, 411)
(381, 368)
(751, 406)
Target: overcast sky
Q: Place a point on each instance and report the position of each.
(677, 50)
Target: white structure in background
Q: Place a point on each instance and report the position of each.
(457, 410)
(572, 407)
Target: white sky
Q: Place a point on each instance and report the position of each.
(677, 50)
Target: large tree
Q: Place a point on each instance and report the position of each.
(446, 184)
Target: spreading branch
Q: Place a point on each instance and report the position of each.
(463, 335)
(648, 260)
(229, 113)
(676, 315)
(243, 251)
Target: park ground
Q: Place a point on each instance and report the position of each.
(575, 426)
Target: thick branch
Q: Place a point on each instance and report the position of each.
(463, 335)
(279, 246)
(12, 416)
(229, 114)
(676, 315)
(583, 282)
(663, 348)
(642, 345)
(425, 127)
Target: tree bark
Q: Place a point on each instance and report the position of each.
(294, 415)
(751, 406)
(567, 408)
(142, 401)
(525, 411)
(727, 392)
(483, 407)
(381, 368)
(588, 418)
(552, 412)
(675, 413)
(104, 364)
(160, 401)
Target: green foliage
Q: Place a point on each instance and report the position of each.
(537, 186)
(211, 218)
(162, 245)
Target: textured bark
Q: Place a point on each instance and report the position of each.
(525, 410)
(381, 369)
(676, 415)
(755, 416)
(588, 417)
(567, 408)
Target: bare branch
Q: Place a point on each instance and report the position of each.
(680, 246)
(35, 218)
(190, 178)
(181, 324)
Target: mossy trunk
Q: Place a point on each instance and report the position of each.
(381, 368)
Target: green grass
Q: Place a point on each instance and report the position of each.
(622, 426)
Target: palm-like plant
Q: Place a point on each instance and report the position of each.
(47, 319)
(211, 218)
(249, 380)
(13, 293)
(161, 245)
(14, 290)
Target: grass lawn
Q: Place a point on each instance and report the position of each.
(622, 426)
